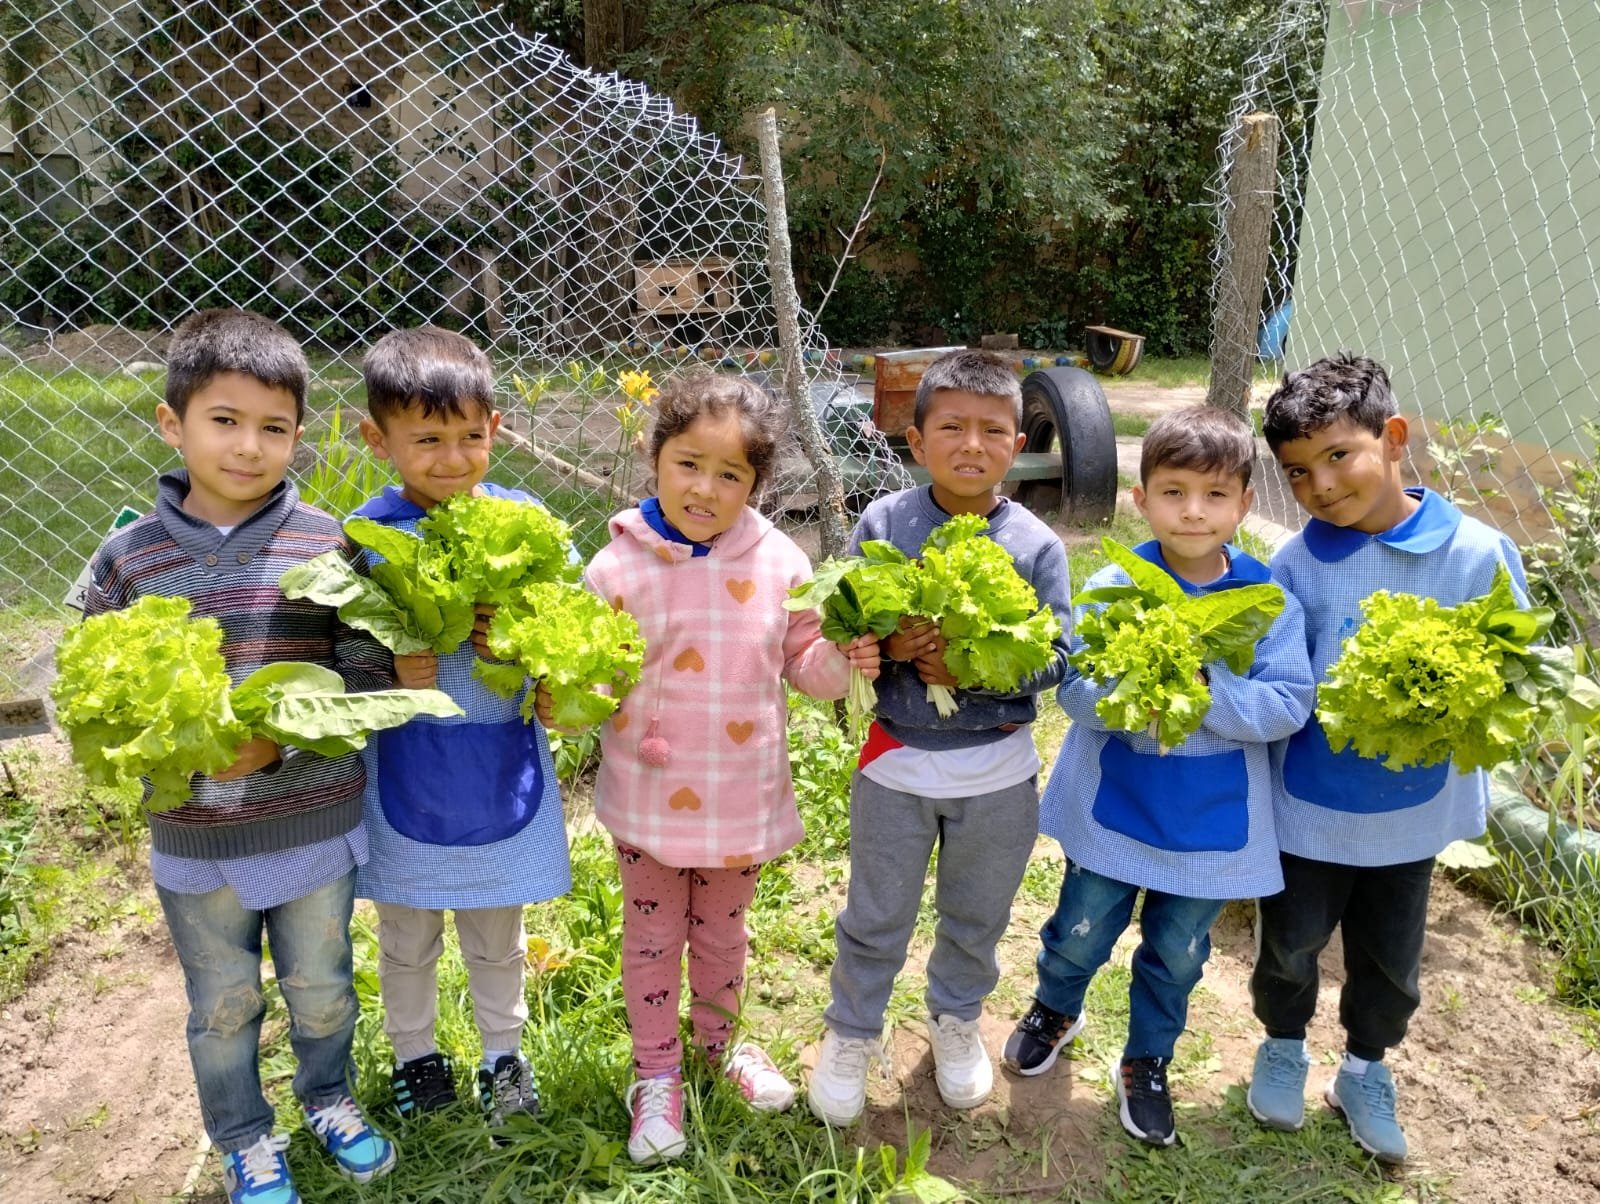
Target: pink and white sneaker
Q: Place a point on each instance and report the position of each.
(760, 1082)
(656, 1106)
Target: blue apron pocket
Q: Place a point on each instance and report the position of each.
(460, 783)
(1179, 804)
(1344, 781)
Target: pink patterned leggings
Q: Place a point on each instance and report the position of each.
(663, 909)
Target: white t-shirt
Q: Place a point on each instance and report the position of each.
(957, 772)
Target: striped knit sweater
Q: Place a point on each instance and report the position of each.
(234, 579)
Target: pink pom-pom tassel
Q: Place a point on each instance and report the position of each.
(654, 749)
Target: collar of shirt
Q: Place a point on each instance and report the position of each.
(1425, 529)
(1241, 570)
(651, 509)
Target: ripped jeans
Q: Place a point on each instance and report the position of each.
(1092, 913)
(219, 945)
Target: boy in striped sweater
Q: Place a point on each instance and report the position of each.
(273, 841)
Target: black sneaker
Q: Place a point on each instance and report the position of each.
(508, 1088)
(1034, 1044)
(1143, 1100)
(423, 1084)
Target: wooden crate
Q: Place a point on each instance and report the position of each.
(665, 287)
(894, 387)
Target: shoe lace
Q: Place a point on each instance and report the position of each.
(259, 1165)
(649, 1098)
(1040, 1021)
(1147, 1077)
(956, 1038)
(425, 1076)
(851, 1055)
(511, 1085)
(341, 1119)
(1282, 1067)
(1378, 1090)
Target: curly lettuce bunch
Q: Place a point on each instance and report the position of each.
(491, 547)
(143, 692)
(1152, 638)
(1420, 683)
(571, 640)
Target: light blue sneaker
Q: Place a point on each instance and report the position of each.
(260, 1174)
(360, 1151)
(1367, 1101)
(1277, 1095)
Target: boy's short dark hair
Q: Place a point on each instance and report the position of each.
(428, 367)
(968, 371)
(215, 341)
(1339, 386)
(1200, 439)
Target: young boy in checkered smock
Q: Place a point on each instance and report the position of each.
(271, 843)
(1358, 837)
(1190, 825)
(464, 813)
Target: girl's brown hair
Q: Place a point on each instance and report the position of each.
(684, 398)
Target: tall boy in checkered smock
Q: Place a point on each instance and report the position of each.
(1191, 825)
(1358, 838)
(461, 813)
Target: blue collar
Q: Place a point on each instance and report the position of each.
(392, 506)
(650, 508)
(1424, 530)
(1242, 569)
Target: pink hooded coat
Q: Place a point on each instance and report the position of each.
(718, 647)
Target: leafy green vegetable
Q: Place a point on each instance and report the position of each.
(1152, 639)
(144, 692)
(490, 547)
(996, 634)
(858, 595)
(571, 640)
(398, 608)
(1420, 683)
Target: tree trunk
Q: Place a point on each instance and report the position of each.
(1252, 190)
(603, 34)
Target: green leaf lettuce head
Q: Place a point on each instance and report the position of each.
(857, 595)
(1419, 683)
(1151, 638)
(489, 548)
(144, 692)
(574, 642)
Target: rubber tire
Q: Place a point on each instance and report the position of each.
(1070, 403)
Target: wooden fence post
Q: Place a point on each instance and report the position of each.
(786, 300)
(1252, 189)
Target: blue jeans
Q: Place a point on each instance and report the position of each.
(219, 945)
(1078, 938)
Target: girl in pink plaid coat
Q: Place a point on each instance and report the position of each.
(694, 779)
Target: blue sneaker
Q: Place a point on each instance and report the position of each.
(1277, 1095)
(361, 1152)
(260, 1174)
(1367, 1101)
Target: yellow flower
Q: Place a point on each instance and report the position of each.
(541, 959)
(637, 386)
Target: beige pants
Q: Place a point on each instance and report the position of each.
(493, 947)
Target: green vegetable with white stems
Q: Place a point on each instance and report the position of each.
(1152, 638)
(858, 595)
(144, 692)
(1419, 683)
(573, 642)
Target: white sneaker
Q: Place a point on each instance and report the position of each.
(838, 1089)
(961, 1064)
(656, 1106)
(760, 1082)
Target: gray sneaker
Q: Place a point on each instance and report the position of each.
(1277, 1095)
(1367, 1101)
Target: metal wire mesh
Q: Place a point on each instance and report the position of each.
(1438, 209)
(349, 168)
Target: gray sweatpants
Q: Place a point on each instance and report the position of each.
(983, 841)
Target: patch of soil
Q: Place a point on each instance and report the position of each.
(96, 1097)
(99, 348)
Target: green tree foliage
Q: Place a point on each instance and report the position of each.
(1044, 162)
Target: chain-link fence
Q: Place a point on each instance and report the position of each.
(1438, 209)
(349, 168)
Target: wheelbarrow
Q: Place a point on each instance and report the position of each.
(1068, 461)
